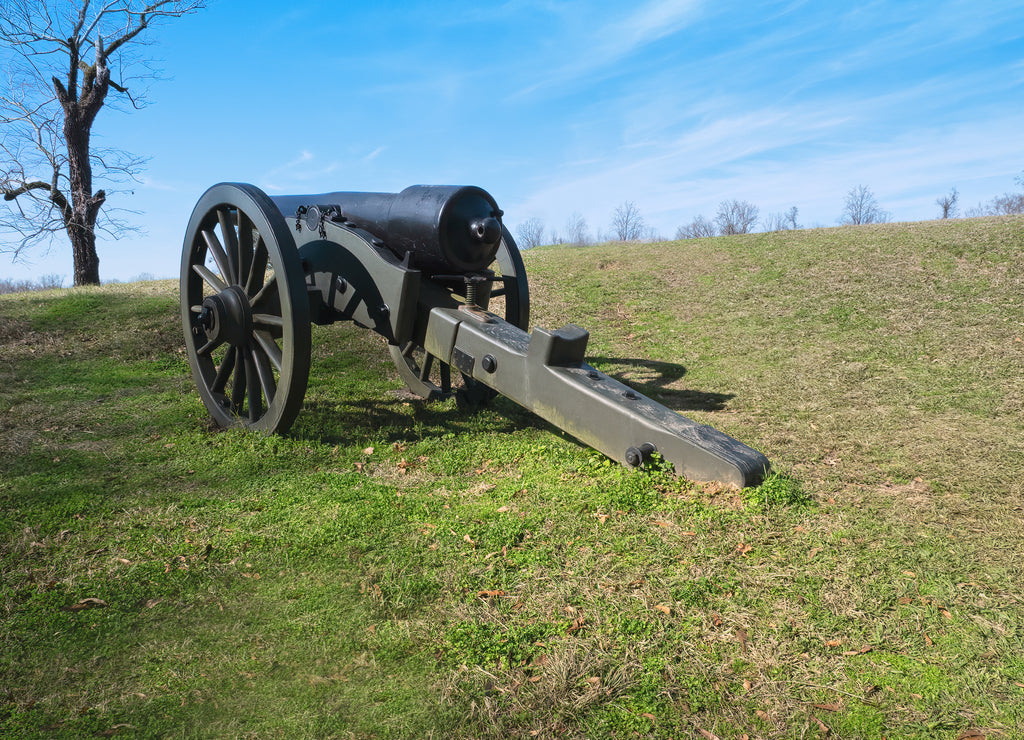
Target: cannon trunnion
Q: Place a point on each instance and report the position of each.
(421, 268)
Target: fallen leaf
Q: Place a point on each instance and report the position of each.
(834, 643)
(971, 735)
(115, 730)
(503, 509)
(825, 729)
(470, 540)
(649, 716)
(743, 637)
(829, 707)
(747, 685)
(688, 534)
(661, 523)
(762, 715)
(865, 649)
(743, 548)
(664, 609)
(368, 451)
(909, 574)
(904, 600)
(945, 613)
(927, 640)
(489, 594)
(708, 735)
(89, 603)
(576, 626)
(594, 680)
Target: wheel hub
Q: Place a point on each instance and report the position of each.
(227, 317)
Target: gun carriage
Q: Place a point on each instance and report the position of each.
(422, 268)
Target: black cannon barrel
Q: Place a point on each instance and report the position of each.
(444, 227)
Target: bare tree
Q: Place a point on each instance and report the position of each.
(576, 232)
(627, 223)
(782, 221)
(1005, 204)
(862, 208)
(736, 217)
(63, 53)
(698, 228)
(791, 215)
(530, 233)
(948, 204)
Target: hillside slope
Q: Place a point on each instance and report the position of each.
(398, 569)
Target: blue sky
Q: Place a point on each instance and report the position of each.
(574, 107)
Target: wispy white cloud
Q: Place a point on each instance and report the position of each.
(290, 176)
(614, 39)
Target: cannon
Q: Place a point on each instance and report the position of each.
(434, 271)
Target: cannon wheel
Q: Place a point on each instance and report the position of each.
(430, 378)
(244, 310)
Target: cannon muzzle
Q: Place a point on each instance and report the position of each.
(443, 228)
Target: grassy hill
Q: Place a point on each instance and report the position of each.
(397, 569)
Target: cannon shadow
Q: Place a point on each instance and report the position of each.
(334, 421)
(654, 378)
(343, 422)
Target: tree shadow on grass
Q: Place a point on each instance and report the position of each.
(654, 378)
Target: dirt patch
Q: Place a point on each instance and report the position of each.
(915, 493)
(12, 330)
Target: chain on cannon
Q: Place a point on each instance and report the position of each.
(422, 268)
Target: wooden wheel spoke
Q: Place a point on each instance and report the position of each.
(446, 378)
(210, 278)
(223, 265)
(267, 319)
(257, 267)
(270, 349)
(268, 291)
(425, 368)
(265, 373)
(224, 372)
(209, 347)
(227, 230)
(245, 249)
(252, 387)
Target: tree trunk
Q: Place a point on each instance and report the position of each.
(87, 262)
(85, 206)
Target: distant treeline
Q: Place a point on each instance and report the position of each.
(46, 282)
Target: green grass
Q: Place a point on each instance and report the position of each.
(485, 576)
